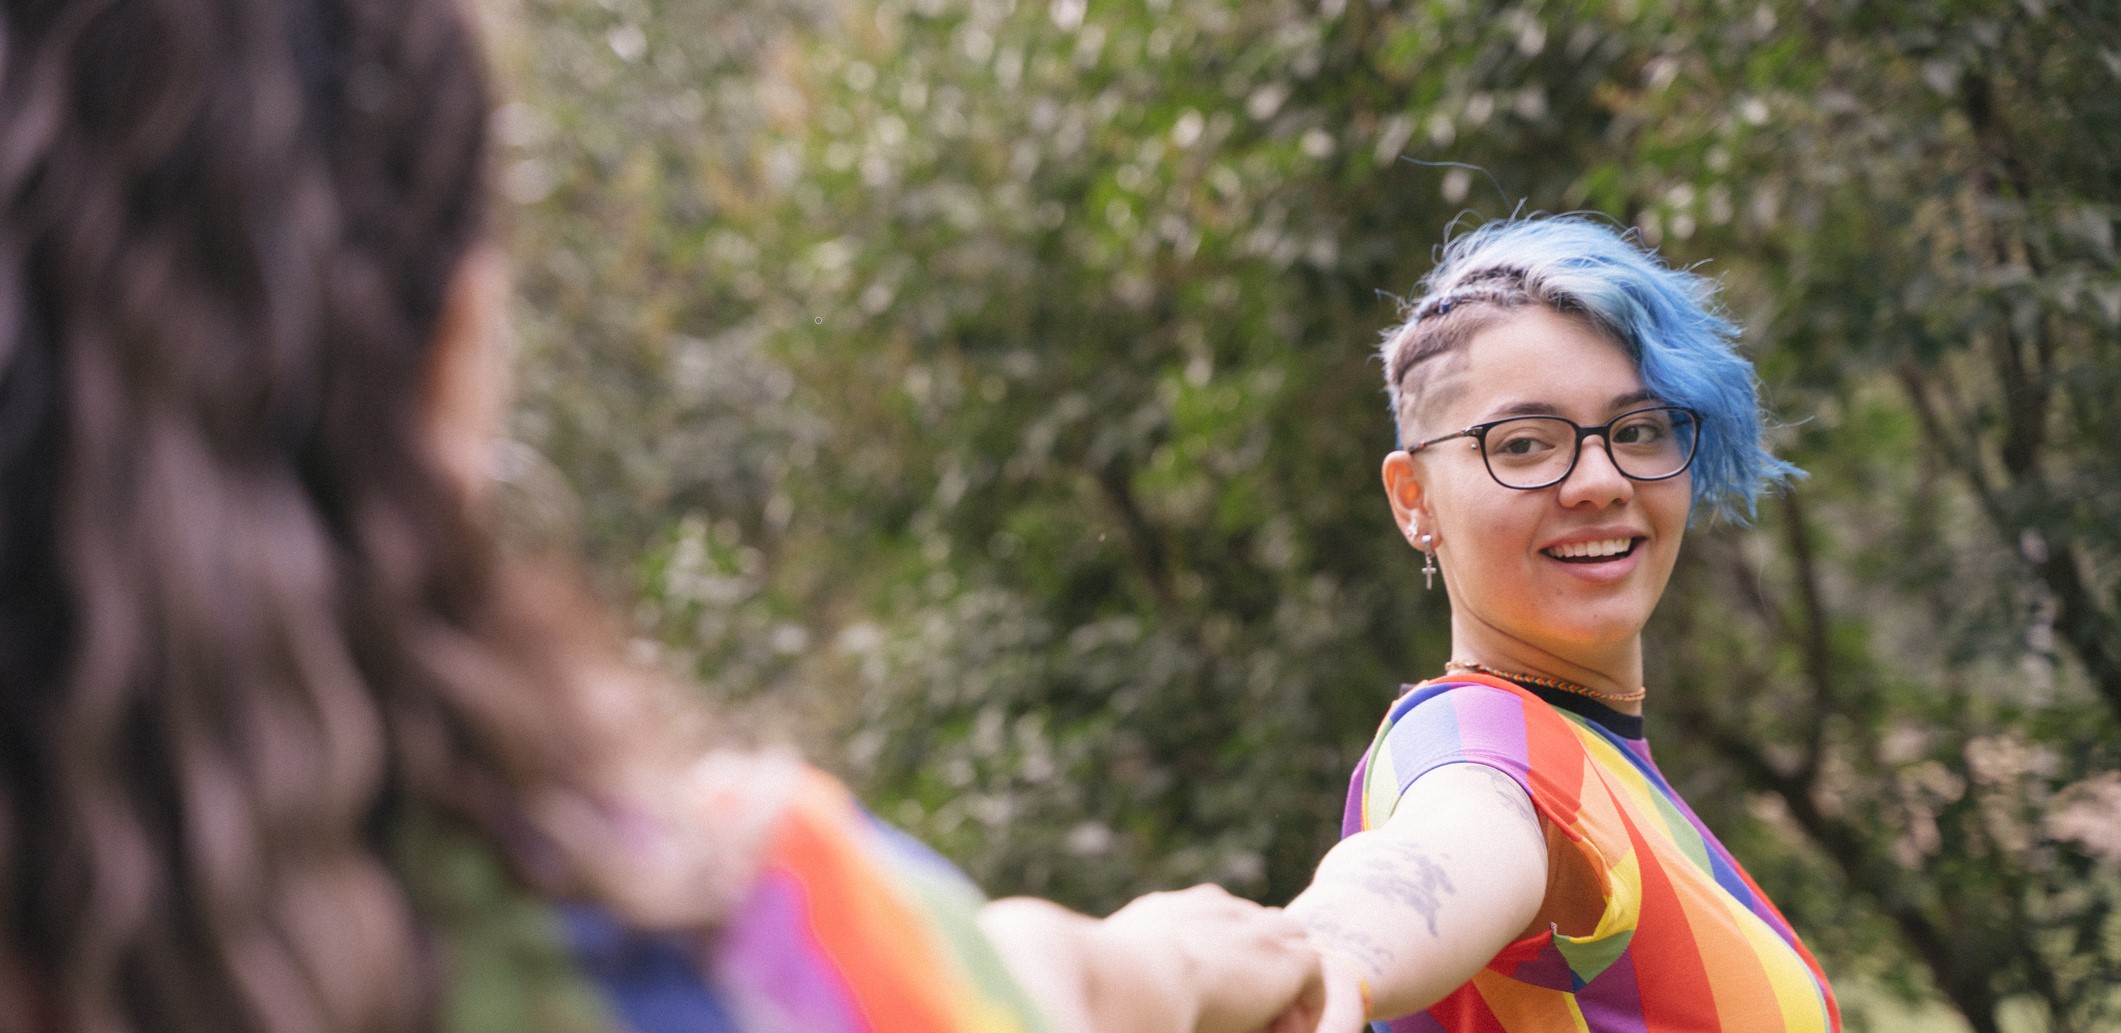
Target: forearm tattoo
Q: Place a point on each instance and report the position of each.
(1360, 947)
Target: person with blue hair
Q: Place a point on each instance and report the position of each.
(1512, 858)
(291, 740)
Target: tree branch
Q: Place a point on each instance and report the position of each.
(1955, 973)
(1115, 479)
(2079, 618)
(1814, 637)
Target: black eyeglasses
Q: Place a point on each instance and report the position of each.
(1531, 452)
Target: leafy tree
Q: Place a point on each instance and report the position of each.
(983, 389)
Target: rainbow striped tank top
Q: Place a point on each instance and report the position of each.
(1683, 941)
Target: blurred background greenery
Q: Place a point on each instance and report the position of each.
(981, 392)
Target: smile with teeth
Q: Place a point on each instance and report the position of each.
(1591, 552)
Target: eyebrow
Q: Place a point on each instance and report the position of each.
(1547, 409)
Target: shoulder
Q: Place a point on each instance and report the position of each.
(828, 843)
(1464, 718)
(1444, 698)
(851, 924)
(1460, 720)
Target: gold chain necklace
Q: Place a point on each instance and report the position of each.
(1633, 696)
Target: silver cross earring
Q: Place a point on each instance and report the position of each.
(1428, 565)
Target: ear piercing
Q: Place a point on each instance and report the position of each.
(1428, 556)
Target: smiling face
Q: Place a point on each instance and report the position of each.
(1559, 580)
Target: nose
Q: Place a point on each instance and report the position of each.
(1596, 480)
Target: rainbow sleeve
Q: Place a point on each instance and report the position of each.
(1473, 724)
(853, 927)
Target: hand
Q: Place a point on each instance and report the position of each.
(1249, 968)
(1347, 1003)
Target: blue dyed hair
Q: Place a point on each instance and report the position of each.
(1667, 320)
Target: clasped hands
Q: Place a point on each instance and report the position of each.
(1254, 967)
(1198, 960)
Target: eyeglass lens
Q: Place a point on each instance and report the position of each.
(1535, 451)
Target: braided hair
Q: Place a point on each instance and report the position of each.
(1668, 321)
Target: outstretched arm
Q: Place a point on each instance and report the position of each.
(1415, 907)
(1194, 961)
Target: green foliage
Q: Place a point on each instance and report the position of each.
(508, 970)
(988, 385)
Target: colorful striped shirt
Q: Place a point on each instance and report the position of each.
(1683, 941)
(849, 927)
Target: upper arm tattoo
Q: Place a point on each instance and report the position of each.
(1510, 793)
(1411, 877)
(1408, 877)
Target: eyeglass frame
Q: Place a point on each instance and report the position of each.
(1604, 431)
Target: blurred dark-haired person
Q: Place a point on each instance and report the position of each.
(287, 745)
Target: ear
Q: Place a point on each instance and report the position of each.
(467, 370)
(1408, 497)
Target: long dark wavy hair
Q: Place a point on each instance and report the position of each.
(248, 623)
